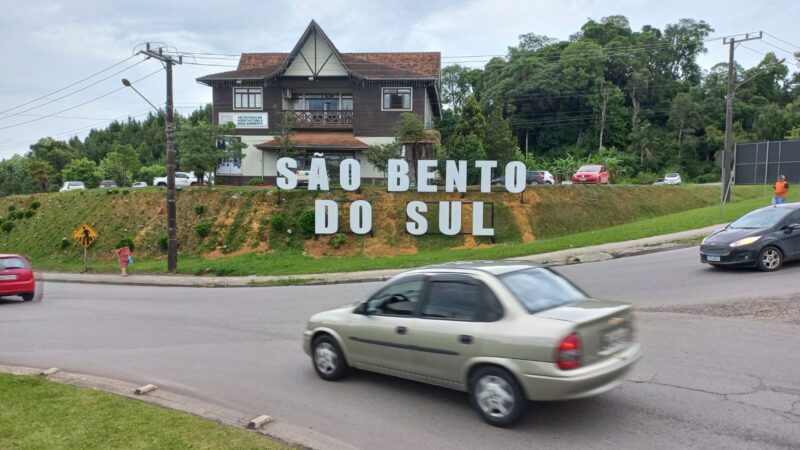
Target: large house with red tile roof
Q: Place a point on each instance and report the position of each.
(336, 104)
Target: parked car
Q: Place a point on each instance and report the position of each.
(72, 186)
(139, 184)
(108, 184)
(182, 179)
(532, 177)
(764, 238)
(672, 178)
(658, 182)
(591, 174)
(503, 331)
(16, 277)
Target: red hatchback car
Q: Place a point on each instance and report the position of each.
(16, 277)
(591, 174)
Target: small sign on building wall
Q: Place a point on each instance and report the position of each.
(245, 120)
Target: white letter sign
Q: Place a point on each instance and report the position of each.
(326, 217)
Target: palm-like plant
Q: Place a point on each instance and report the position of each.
(40, 171)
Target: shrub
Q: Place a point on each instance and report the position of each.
(338, 240)
(35, 205)
(64, 243)
(123, 242)
(125, 192)
(199, 209)
(708, 178)
(254, 182)
(19, 214)
(8, 226)
(645, 178)
(163, 243)
(306, 222)
(28, 213)
(203, 229)
(12, 208)
(278, 222)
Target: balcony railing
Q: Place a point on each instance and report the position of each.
(321, 119)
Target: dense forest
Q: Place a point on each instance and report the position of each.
(636, 101)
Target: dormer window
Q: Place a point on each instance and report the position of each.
(396, 99)
(247, 98)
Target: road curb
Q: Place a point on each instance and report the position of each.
(595, 253)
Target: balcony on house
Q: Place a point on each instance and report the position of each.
(320, 110)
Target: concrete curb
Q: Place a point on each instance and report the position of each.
(294, 435)
(593, 253)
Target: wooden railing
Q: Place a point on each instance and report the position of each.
(321, 119)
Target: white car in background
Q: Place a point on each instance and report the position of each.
(672, 178)
(72, 186)
(139, 184)
(182, 179)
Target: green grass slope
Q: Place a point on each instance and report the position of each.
(249, 230)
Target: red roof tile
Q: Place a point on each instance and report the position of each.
(320, 140)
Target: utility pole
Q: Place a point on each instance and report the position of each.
(727, 153)
(172, 227)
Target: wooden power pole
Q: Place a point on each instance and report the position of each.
(727, 153)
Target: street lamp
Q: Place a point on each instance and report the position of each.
(172, 213)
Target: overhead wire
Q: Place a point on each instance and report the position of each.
(80, 104)
(68, 86)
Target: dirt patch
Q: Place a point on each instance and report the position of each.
(372, 249)
(470, 242)
(320, 247)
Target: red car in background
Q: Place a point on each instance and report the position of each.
(16, 277)
(591, 174)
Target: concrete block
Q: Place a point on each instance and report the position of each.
(259, 422)
(50, 371)
(145, 389)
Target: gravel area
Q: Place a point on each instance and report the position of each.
(785, 310)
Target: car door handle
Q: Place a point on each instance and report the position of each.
(401, 330)
(465, 339)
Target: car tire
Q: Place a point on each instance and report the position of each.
(328, 359)
(770, 259)
(496, 396)
(162, 184)
(27, 297)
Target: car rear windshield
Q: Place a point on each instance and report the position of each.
(761, 218)
(540, 289)
(589, 169)
(672, 175)
(76, 183)
(12, 263)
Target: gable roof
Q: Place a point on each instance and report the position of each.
(367, 66)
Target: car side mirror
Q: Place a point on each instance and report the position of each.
(791, 227)
(362, 309)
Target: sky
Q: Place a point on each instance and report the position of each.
(49, 45)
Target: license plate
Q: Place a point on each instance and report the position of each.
(615, 339)
(8, 277)
(714, 258)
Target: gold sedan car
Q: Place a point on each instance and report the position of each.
(502, 331)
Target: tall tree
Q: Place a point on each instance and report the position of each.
(498, 142)
(204, 145)
(120, 164)
(82, 169)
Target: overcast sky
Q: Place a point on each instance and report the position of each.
(47, 45)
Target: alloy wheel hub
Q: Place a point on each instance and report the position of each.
(325, 357)
(494, 396)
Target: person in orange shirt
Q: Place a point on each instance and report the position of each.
(781, 189)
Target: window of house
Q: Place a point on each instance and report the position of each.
(396, 99)
(321, 102)
(247, 98)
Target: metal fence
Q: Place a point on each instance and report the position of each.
(764, 162)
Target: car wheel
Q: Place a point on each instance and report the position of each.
(328, 359)
(496, 396)
(770, 259)
(27, 297)
(162, 184)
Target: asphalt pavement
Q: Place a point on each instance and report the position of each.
(705, 380)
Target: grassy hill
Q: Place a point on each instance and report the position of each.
(227, 230)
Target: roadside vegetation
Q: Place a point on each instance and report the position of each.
(37, 413)
(243, 231)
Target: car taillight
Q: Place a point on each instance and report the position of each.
(569, 353)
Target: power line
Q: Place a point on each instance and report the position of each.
(68, 86)
(71, 93)
(785, 42)
(80, 104)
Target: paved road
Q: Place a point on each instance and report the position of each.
(705, 381)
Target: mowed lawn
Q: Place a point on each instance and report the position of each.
(288, 263)
(39, 414)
